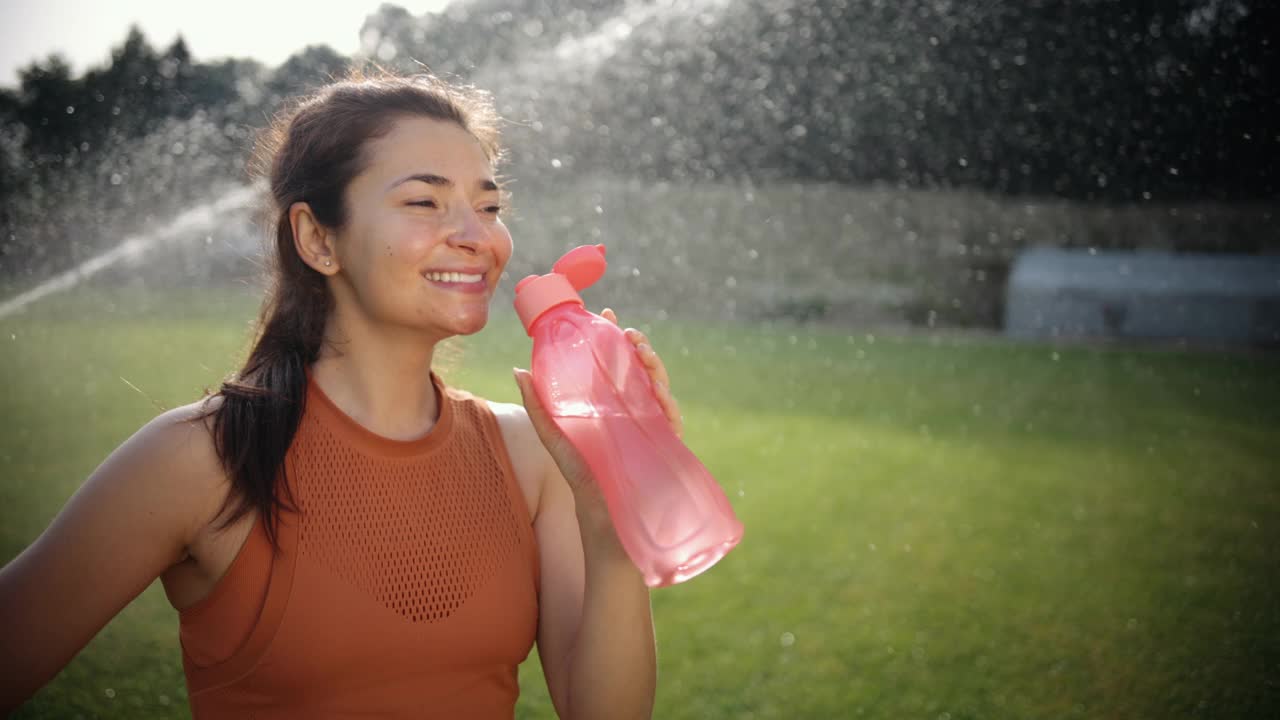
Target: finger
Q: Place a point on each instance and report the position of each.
(527, 394)
(657, 369)
(670, 408)
(532, 404)
(609, 315)
(638, 339)
(635, 336)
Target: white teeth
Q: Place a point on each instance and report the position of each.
(454, 277)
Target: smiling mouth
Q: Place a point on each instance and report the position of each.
(470, 283)
(453, 277)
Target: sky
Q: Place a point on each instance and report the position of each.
(265, 30)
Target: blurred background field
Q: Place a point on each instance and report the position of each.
(938, 525)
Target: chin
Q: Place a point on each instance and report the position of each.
(469, 325)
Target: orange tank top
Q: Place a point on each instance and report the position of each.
(406, 586)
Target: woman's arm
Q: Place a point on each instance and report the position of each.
(133, 518)
(595, 632)
(595, 629)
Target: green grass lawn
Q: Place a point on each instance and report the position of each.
(935, 527)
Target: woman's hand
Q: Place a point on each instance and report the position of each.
(657, 373)
(571, 463)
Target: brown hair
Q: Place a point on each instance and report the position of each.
(311, 153)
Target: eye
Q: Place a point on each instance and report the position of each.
(493, 209)
(424, 203)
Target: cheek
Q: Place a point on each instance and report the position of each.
(376, 254)
(402, 239)
(503, 244)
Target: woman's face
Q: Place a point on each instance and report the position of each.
(424, 246)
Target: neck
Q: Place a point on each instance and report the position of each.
(379, 376)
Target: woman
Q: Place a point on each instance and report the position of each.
(341, 532)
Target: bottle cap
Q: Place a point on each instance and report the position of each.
(583, 265)
(576, 270)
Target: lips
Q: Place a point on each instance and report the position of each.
(450, 276)
(469, 280)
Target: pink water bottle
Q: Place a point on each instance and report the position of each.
(672, 518)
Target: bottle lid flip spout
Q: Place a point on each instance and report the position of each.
(583, 265)
(575, 270)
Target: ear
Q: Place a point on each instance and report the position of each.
(313, 242)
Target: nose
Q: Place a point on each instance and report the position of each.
(465, 231)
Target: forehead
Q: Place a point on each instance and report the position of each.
(417, 145)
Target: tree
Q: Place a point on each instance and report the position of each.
(305, 70)
(48, 99)
(176, 78)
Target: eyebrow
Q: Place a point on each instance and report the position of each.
(441, 181)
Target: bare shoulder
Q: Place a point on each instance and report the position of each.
(513, 413)
(513, 419)
(529, 458)
(179, 445)
(185, 434)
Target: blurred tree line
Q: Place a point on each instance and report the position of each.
(1091, 99)
(1094, 100)
(85, 160)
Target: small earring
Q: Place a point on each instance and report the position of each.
(327, 263)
